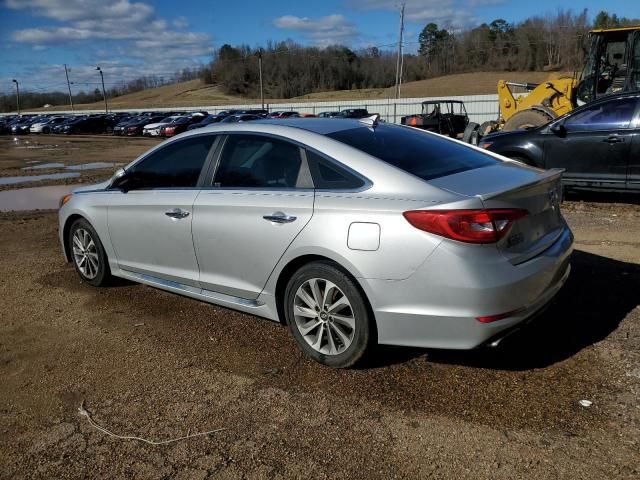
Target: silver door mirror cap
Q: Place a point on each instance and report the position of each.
(117, 175)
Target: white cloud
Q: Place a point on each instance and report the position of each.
(74, 10)
(452, 13)
(133, 23)
(181, 22)
(324, 31)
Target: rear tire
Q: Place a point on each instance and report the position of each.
(88, 255)
(526, 119)
(469, 131)
(487, 127)
(328, 315)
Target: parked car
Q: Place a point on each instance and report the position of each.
(89, 125)
(208, 120)
(179, 126)
(134, 127)
(354, 113)
(5, 127)
(283, 114)
(350, 232)
(45, 126)
(152, 129)
(597, 144)
(61, 126)
(253, 111)
(24, 124)
(241, 118)
(328, 114)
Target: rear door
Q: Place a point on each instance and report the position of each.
(259, 200)
(594, 150)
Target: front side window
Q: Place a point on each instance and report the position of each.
(178, 165)
(611, 115)
(254, 161)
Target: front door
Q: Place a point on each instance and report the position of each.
(595, 145)
(260, 200)
(150, 219)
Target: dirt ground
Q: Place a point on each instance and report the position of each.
(29, 151)
(160, 366)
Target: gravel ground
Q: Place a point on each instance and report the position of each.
(160, 366)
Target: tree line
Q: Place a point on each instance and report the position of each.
(551, 42)
(30, 99)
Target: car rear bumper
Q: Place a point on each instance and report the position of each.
(438, 306)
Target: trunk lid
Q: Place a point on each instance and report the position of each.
(512, 185)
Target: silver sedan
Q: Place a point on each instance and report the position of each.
(351, 232)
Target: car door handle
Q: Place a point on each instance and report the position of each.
(177, 213)
(613, 139)
(279, 217)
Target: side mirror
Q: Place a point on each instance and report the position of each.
(117, 178)
(559, 129)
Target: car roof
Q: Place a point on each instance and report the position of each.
(322, 126)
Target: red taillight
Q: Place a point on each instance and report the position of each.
(500, 316)
(471, 226)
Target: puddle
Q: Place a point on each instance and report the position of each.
(44, 165)
(90, 166)
(38, 198)
(36, 178)
(84, 166)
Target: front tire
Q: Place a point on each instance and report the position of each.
(526, 119)
(88, 255)
(328, 315)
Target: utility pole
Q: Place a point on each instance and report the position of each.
(399, 59)
(104, 94)
(66, 73)
(17, 94)
(260, 69)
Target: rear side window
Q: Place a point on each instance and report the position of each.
(424, 155)
(327, 175)
(178, 165)
(254, 161)
(610, 115)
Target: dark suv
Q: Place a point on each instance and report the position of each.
(354, 113)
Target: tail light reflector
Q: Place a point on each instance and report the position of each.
(500, 316)
(471, 226)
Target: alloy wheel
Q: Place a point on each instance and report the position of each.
(85, 253)
(324, 316)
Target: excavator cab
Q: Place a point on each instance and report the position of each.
(612, 64)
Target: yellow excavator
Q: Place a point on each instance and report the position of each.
(612, 65)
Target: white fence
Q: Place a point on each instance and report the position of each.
(479, 107)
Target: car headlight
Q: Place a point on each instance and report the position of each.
(485, 144)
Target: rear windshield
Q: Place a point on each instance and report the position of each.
(419, 153)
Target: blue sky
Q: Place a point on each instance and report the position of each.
(130, 38)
